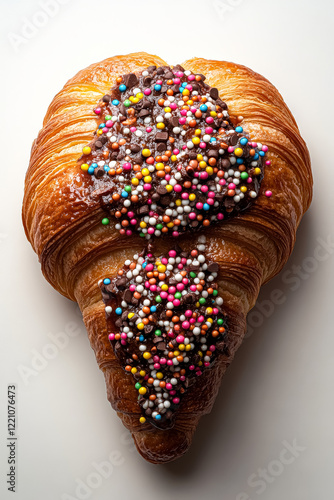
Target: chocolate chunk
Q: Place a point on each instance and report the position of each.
(106, 98)
(155, 197)
(161, 346)
(148, 328)
(161, 136)
(121, 283)
(144, 209)
(213, 267)
(214, 93)
(161, 190)
(176, 89)
(161, 147)
(143, 112)
(213, 153)
(99, 172)
(127, 296)
(130, 80)
(226, 163)
(234, 139)
(147, 103)
(221, 103)
(147, 81)
(150, 69)
(135, 148)
(174, 121)
(163, 89)
(98, 144)
(122, 109)
(169, 75)
(118, 322)
(165, 201)
(160, 71)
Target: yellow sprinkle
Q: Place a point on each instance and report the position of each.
(131, 315)
(146, 152)
(209, 170)
(213, 113)
(142, 373)
(176, 353)
(135, 181)
(135, 100)
(84, 167)
(159, 166)
(164, 287)
(178, 203)
(192, 197)
(140, 326)
(257, 171)
(167, 110)
(182, 347)
(209, 310)
(86, 150)
(131, 98)
(160, 375)
(185, 92)
(190, 102)
(134, 370)
(142, 390)
(196, 140)
(146, 355)
(170, 224)
(210, 320)
(199, 157)
(238, 152)
(161, 268)
(243, 189)
(188, 347)
(100, 131)
(140, 95)
(147, 178)
(197, 304)
(198, 131)
(173, 158)
(143, 224)
(145, 171)
(142, 420)
(202, 164)
(160, 125)
(169, 188)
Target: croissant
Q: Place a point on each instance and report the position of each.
(160, 199)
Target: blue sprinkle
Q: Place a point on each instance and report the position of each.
(141, 338)
(240, 161)
(106, 168)
(94, 165)
(262, 153)
(203, 107)
(122, 87)
(243, 141)
(157, 87)
(115, 102)
(90, 170)
(256, 157)
(239, 129)
(144, 264)
(184, 84)
(213, 139)
(153, 309)
(125, 194)
(206, 206)
(158, 417)
(102, 125)
(118, 311)
(106, 281)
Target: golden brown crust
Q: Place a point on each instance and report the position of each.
(62, 217)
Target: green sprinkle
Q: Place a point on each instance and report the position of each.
(105, 221)
(137, 386)
(215, 293)
(220, 321)
(127, 103)
(142, 235)
(244, 175)
(202, 300)
(192, 274)
(158, 299)
(159, 226)
(157, 333)
(178, 295)
(127, 189)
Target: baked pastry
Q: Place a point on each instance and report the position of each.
(161, 206)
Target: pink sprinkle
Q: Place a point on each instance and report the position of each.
(164, 261)
(159, 82)
(111, 336)
(132, 288)
(268, 193)
(156, 366)
(133, 222)
(172, 253)
(220, 216)
(215, 310)
(199, 205)
(147, 91)
(177, 188)
(109, 123)
(179, 74)
(133, 129)
(180, 266)
(180, 287)
(172, 289)
(210, 201)
(123, 342)
(184, 112)
(123, 335)
(176, 400)
(147, 285)
(175, 234)
(264, 148)
(177, 80)
(192, 321)
(212, 348)
(147, 187)
(172, 393)
(182, 121)
(149, 129)
(249, 180)
(268, 162)
(203, 175)
(222, 182)
(189, 87)
(176, 302)
(191, 78)
(204, 188)
(168, 385)
(185, 281)
(230, 149)
(191, 367)
(202, 145)
(170, 297)
(209, 119)
(149, 267)
(201, 319)
(185, 325)
(167, 177)
(126, 166)
(184, 196)
(163, 361)
(231, 185)
(180, 338)
(173, 105)
(153, 288)
(105, 130)
(97, 111)
(192, 216)
(208, 130)
(164, 295)
(193, 288)
(188, 313)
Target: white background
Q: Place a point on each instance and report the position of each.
(280, 386)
